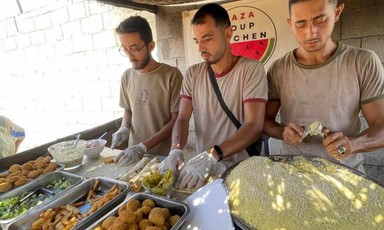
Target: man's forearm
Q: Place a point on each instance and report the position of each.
(160, 136)
(126, 121)
(273, 129)
(369, 140)
(180, 134)
(241, 139)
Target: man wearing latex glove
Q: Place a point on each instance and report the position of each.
(243, 86)
(196, 171)
(119, 136)
(131, 155)
(174, 160)
(149, 94)
(308, 84)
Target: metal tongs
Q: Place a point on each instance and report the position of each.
(314, 129)
(28, 195)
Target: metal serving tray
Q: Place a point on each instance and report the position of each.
(41, 182)
(175, 207)
(288, 159)
(79, 193)
(59, 168)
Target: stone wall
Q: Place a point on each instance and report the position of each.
(60, 67)
(362, 25)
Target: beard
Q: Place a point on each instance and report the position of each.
(212, 59)
(139, 65)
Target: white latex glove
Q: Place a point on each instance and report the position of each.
(196, 171)
(120, 136)
(173, 161)
(131, 155)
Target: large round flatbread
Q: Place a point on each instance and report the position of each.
(303, 195)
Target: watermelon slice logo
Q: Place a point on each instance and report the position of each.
(254, 33)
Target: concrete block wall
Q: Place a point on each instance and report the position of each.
(362, 25)
(60, 67)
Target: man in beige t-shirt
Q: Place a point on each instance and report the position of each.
(243, 85)
(327, 82)
(149, 94)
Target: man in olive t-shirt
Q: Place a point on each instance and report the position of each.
(327, 82)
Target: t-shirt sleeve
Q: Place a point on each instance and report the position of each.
(16, 132)
(186, 89)
(177, 80)
(255, 88)
(124, 98)
(372, 83)
(272, 76)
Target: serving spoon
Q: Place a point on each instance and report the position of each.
(98, 139)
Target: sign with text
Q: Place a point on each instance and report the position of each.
(260, 31)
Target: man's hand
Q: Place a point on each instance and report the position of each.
(196, 171)
(174, 160)
(131, 155)
(120, 136)
(293, 134)
(337, 144)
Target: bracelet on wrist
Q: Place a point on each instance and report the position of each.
(219, 152)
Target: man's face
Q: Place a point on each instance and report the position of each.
(312, 23)
(211, 40)
(135, 49)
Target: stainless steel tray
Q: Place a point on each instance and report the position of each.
(41, 182)
(289, 159)
(59, 168)
(79, 193)
(175, 207)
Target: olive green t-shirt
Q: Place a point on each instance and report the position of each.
(151, 97)
(331, 93)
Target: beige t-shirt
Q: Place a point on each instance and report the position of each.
(246, 82)
(331, 93)
(151, 97)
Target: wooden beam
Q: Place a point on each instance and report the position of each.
(132, 5)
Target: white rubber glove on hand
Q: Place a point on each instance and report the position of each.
(173, 161)
(120, 136)
(131, 155)
(196, 171)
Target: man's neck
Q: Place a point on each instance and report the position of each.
(224, 64)
(315, 58)
(152, 64)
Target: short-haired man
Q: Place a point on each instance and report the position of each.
(149, 94)
(243, 85)
(329, 82)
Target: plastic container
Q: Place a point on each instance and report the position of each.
(93, 148)
(64, 153)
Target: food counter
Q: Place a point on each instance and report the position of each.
(267, 177)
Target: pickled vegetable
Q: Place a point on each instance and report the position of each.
(158, 183)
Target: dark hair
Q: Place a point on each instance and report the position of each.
(292, 2)
(217, 12)
(136, 24)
